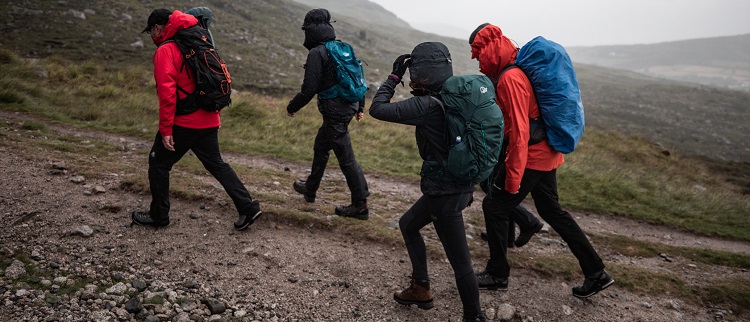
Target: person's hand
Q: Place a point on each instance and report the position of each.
(360, 115)
(401, 64)
(168, 142)
(290, 114)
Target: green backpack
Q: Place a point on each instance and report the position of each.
(474, 126)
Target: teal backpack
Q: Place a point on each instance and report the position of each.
(351, 76)
(474, 126)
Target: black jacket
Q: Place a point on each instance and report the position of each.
(320, 74)
(427, 115)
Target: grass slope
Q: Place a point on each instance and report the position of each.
(608, 173)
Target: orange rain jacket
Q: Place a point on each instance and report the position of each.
(169, 72)
(516, 99)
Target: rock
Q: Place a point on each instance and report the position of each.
(59, 165)
(35, 255)
(189, 305)
(214, 305)
(181, 317)
(84, 231)
(15, 270)
(78, 179)
(240, 313)
(674, 304)
(133, 305)
(137, 45)
(60, 280)
(506, 312)
(567, 310)
(646, 305)
(77, 14)
(139, 285)
(550, 242)
(7, 252)
(22, 293)
(191, 285)
(118, 289)
(99, 189)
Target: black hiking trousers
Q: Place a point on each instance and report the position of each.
(499, 206)
(205, 145)
(334, 135)
(444, 212)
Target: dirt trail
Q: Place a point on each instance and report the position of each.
(589, 222)
(277, 271)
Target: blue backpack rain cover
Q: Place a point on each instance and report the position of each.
(551, 73)
(351, 76)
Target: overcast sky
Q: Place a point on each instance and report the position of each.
(580, 22)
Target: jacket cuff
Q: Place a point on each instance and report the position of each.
(512, 186)
(395, 77)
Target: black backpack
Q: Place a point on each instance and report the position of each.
(213, 84)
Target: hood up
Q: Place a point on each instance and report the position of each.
(493, 50)
(318, 28)
(431, 61)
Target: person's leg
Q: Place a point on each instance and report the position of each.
(449, 225)
(342, 147)
(527, 223)
(160, 163)
(498, 207)
(548, 206)
(207, 150)
(411, 222)
(321, 153)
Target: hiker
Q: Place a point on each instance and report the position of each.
(526, 169)
(337, 112)
(442, 202)
(197, 131)
(528, 224)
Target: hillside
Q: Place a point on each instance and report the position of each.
(261, 42)
(721, 61)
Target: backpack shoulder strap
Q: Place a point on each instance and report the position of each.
(505, 69)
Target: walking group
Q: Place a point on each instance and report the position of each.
(520, 163)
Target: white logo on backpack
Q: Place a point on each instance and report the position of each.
(483, 89)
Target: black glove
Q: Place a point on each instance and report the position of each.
(401, 64)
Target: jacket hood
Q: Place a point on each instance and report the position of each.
(493, 50)
(318, 28)
(177, 21)
(431, 61)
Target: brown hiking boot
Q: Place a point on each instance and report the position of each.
(415, 294)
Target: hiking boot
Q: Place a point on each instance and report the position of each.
(300, 187)
(246, 220)
(358, 212)
(593, 284)
(415, 294)
(525, 235)
(488, 281)
(144, 219)
(478, 318)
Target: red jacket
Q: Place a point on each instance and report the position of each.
(517, 101)
(169, 73)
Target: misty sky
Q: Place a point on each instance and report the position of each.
(580, 22)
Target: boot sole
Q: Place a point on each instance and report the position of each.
(597, 291)
(424, 305)
(493, 288)
(533, 232)
(247, 223)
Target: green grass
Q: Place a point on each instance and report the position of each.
(609, 173)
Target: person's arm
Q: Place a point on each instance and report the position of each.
(165, 75)
(310, 84)
(515, 96)
(410, 111)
